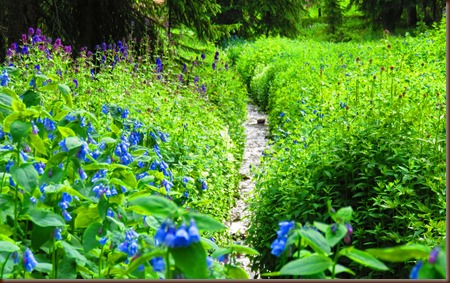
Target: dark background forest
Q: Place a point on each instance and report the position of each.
(86, 23)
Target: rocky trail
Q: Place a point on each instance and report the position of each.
(256, 131)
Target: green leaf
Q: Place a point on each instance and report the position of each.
(85, 216)
(9, 247)
(44, 267)
(321, 226)
(89, 236)
(55, 177)
(208, 244)
(191, 261)
(71, 252)
(25, 176)
(205, 222)
(37, 144)
(243, 250)
(73, 142)
(441, 264)
(401, 253)
(40, 235)
(65, 90)
(235, 272)
(66, 132)
(154, 205)
(307, 265)
(45, 218)
(344, 214)
(126, 176)
(220, 251)
(336, 237)
(363, 258)
(428, 271)
(340, 268)
(144, 259)
(31, 98)
(271, 274)
(315, 240)
(19, 129)
(96, 166)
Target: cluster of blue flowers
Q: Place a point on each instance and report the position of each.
(279, 244)
(172, 237)
(4, 78)
(66, 199)
(129, 245)
(29, 262)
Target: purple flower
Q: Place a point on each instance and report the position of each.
(105, 109)
(39, 167)
(203, 88)
(349, 229)
(75, 82)
(30, 31)
(81, 154)
(24, 38)
(214, 65)
(204, 185)
(110, 213)
(28, 260)
(181, 237)
(216, 56)
(434, 255)
(203, 56)
(63, 145)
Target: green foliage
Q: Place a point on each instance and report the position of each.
(94, 162)
(361, 124)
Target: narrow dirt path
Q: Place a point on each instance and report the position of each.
(256, 131)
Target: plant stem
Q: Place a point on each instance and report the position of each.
(3, 266)
(168, 271)
(336, 256)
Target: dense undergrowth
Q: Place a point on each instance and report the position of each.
(358, 124)
(88, 145)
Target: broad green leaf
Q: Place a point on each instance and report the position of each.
(220, 251)
(243, 250)
(55, 177)
(340, 268)
(191, 261)
(67, 268)
(8, 247)
(89, 236)
(207, 243)
(44, 267)
(40, 235)
(154, 205)
(441, 264)
(6, 230)
(19, 129)
(45, 218)
(85, 216)
(271, 274)
(321, 226)
(71, 252)
(315, 240)
(18, 106)
(31, 98)
(9, 120)
(126, 176)
(25, 176)
(205, 222)
(307, 265)
(144, 259)
(107, 140)
(66, 132)
(336, 237)
(37, 144)
(428, 271)
(115, 129)
(117, 222)
(55, 160)
(6, 100)
(344, 214)
(64, 89)
(73, 142)
(96, 166)
(400, 253)
(235, 272)
(363, 258)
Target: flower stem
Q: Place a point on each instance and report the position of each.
(4, 264)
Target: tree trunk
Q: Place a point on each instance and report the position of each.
(412, 16)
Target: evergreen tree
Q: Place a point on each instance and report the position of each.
(333, 12)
